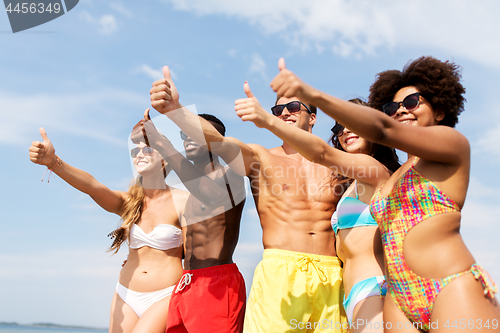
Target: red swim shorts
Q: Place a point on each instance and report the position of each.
(209, 299)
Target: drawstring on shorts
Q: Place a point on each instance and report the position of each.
(304, 267)
(184, 281)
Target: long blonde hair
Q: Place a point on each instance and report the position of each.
(132, 210)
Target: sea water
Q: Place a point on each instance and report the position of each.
(32, 329)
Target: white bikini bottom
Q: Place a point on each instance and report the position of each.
(140, 302)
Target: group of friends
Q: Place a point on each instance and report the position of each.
(353, 240)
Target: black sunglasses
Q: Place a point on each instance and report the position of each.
(184, 136)
(292, 107)
(410, 103)
(337, 130)
(146, 151)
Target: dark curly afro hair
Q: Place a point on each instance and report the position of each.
(437, 81)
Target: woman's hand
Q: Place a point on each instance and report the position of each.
(43, 153)
(145, 131)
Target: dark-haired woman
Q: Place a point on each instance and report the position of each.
(150, 211)
(433, 279)
(358, 242)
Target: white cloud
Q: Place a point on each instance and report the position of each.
(480, 226)
(478, 191)
(105, 24)
(258, 66)
(232, 53)
(477, 214)
(118, 7)
(359, 28)
(154, 74)
(488, 143)
(86, 115)
(108, 25)
(68, 263)
(59, 286)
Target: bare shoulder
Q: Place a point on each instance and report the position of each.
(276, 150)
(179, 196)
(257, 148)
(261, 152)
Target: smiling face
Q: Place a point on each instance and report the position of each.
(422, 115)
(353, 143)
(302, 119)
(195, 152)
(147, 164)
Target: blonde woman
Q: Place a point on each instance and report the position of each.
(150, 211)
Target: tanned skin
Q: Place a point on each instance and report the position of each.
(212, 241)
(295, 198)
(212, 215)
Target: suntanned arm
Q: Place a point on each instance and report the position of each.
(196, 181)
(43, 153)
(311, 146)
(435, 143)
(165, 99)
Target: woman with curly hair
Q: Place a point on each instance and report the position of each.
(366, 166)
(433, 279)
(150, 211)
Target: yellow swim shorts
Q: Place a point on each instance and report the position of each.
(296, 292)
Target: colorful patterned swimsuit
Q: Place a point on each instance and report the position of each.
(412, 200)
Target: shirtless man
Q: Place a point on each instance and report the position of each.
(210, 296)
(297, 285)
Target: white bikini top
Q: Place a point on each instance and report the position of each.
(163, 237)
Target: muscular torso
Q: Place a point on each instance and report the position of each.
(295, 200)
(211, 233)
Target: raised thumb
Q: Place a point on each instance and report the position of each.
(281, 64)
(246, 87)
(146, 114)
(166, 72)
(44, 134)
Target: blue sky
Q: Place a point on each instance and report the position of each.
(86, 76)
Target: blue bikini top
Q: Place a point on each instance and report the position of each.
(352, 212)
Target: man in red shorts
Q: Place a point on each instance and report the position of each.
(211, 296)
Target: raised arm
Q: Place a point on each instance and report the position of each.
(43, 153)
(375, 126)
(196, 181)
(311, 146)
(165, 99)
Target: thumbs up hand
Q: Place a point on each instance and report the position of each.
(145, 131)
(249, 109)
(164, 94)
(43, 153)
(287, 84)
